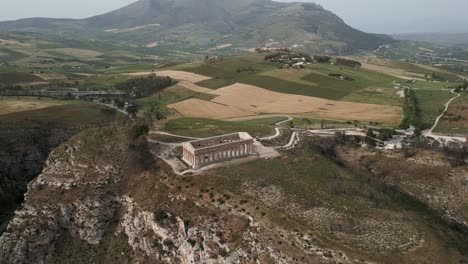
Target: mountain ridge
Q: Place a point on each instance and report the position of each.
(251, 24)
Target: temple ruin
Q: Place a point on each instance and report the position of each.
(200, 153)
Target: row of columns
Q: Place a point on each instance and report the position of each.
(215, 156)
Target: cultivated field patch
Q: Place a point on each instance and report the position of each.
(455, 120)
(178, 75)
(19, 77)
(80, 53)
(246, 100)
(8, 106)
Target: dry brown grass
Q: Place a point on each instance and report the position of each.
(178, 75)
(194, 87)
(384, 66)
(11, 42)
(81, 53)
(240, 100)
(12, 106)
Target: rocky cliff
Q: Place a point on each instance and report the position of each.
(23, 152)
(97, 188)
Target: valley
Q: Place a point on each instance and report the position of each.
(252, 131)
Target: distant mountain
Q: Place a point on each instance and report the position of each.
(442, 38)
(213, 24)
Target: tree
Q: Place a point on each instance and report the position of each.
(386, 134)
(132, 110)
(370, 138)
(119, 103)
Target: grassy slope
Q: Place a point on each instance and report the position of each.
(174, 94)
(313, 81)
(74, 113)
(456, 119)
(18, 77)
(9, 105)
(198, 127)
(307, 179)
(431, 104)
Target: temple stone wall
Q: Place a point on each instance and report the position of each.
(200, 153)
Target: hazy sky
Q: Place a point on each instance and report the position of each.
(380, 16)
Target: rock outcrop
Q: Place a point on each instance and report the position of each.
(23, 152)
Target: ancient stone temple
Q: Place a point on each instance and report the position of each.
(200, 153)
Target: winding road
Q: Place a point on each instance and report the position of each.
(430, 132)
(172, 135)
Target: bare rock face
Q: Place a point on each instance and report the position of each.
(61, 199)
(23, 152)
(40, 227)
(167, 238)
(92, 190)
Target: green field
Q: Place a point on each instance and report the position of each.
(312, 81)
(455, 121)
(73, 113)
(18, 77)
(431, 104)
(159, 101)
(198, 127)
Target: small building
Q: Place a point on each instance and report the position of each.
(200, 153)
(298, 65)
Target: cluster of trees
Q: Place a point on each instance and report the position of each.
(462, 87)
(348, 63)
(144, 86)
(411, 111)
(261, 50)
(287, 56)
(322, 59)
(140, 157)
(245, 69)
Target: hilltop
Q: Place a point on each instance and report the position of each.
(210, 25)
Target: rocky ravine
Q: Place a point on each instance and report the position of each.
(23, 152)
(102, 184)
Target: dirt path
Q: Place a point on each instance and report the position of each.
(288, 118)
(172, 135)
(114, 107)
(430, 132)
(277, 134)
(292, 141)
(445, 110)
